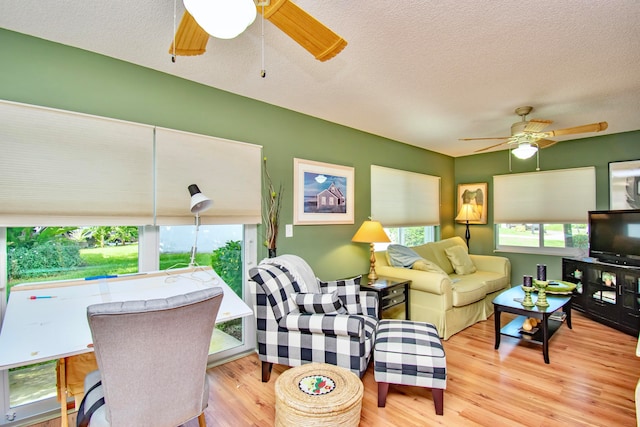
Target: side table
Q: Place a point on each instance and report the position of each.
(391, 292)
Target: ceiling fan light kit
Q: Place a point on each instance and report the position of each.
(524, 150)
(223, 19)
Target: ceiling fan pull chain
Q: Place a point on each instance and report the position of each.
(263, 72)
(173, 55)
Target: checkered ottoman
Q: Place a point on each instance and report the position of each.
(409, 353)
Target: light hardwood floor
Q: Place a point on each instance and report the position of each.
(590, 382)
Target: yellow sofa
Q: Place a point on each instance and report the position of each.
(450, 301)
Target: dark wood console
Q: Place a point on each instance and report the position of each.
(607, 293)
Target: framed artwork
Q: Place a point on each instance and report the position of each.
(624, 185)
(322, 193)
(477, 196)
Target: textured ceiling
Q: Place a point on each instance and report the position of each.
(420, 72)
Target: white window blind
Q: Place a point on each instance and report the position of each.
(228, 172)
(64, 168)
(403, 199)
(558, 196)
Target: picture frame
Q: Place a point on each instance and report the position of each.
(624, 185)
(477, 195)
(323, 193)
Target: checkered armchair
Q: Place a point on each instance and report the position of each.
(301, 319)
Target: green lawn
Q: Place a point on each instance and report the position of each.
(114, 260)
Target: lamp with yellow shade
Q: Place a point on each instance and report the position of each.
(371, 232)
(468, 213)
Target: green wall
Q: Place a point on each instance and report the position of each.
(596, 151)
(39, 72)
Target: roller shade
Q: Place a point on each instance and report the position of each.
(403, 199)
(558, 196)
(228, 172)
(63, 168)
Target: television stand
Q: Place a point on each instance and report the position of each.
(606, 293)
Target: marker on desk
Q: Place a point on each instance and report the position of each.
(108, 276)
(41, 296)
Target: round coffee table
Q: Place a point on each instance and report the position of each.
(318, 394)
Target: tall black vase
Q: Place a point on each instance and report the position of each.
(272, 252)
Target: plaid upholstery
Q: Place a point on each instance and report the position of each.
(296, 338)
(409, 353)
(320, 303)
(348, 291)
(278, 285)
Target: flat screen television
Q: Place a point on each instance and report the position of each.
(614, 236)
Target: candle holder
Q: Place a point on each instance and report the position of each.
(527, 302)
(541, 285)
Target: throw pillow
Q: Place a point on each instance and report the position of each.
(278, 285)
(426, 265)
(348, 292)
(460, 260)
(320, 303)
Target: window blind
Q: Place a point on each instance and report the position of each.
(228, 172)
(558, 196)
(403, 199)
(64, 168)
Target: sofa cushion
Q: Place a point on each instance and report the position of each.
(467, 292)
(320, 303)
(426, 265)
(492, 281)
(460, 260)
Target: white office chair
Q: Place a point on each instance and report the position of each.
(152, 359)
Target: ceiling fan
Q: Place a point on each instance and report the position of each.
(527, 135)
(191, 39)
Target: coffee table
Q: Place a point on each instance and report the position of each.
(509, 301)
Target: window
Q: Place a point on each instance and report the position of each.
(562, 239)
(544, 212)
(408, 236)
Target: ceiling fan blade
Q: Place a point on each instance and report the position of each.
(304, 29)
(593, 127)
(483, 139)
(190, 38)
(537, 125)
(490, 147)
(544, 143)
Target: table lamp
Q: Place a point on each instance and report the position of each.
(467, 213)
(199, 203)
(371, 232)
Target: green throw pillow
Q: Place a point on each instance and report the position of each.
(460, 260)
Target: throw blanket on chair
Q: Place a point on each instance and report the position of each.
(299, 269)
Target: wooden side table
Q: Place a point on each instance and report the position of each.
(391, 292)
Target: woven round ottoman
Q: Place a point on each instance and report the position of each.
(318, 394)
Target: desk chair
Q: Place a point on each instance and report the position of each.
(152, 360)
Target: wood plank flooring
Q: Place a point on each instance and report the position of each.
(590, 382)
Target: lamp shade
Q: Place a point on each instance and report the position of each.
(199, 202)
(524, 150)
(468, 213)
(370, 232)
(224, 19)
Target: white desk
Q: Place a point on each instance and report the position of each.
(42, 329)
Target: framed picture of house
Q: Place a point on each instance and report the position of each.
(322, 193)
(475, 196)
(624, 185)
